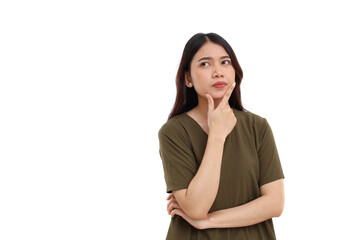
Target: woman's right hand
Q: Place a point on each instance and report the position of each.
(221, 120)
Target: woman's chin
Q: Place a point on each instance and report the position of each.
(217, 96)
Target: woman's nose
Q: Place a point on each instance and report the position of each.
(217, 72)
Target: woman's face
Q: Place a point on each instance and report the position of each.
(211, 71)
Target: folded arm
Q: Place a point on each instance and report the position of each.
(269, 205)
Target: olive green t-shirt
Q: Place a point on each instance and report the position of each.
(250, 160)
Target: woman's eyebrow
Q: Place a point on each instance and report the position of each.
(209, 58)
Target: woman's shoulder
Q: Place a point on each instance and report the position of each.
(249, 116)
(173, 125)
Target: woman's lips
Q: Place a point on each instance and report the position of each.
(219, 85)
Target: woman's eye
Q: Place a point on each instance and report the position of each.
(226, 62)
(204, 64)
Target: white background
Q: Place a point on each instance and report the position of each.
(86, 85)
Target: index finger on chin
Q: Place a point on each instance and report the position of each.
(226, 97)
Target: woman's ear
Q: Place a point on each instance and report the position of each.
(188, 82)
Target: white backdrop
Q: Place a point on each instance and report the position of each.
(86, 85)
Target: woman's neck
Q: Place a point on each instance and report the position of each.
(202, 108)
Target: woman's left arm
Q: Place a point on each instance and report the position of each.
(269, 205)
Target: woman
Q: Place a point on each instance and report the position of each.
(221, 163)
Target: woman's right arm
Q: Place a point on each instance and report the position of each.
(198, 198)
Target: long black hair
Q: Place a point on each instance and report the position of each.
(186, 98)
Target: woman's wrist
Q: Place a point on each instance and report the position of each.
(217, 137)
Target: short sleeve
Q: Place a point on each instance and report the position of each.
(177, 156)
(269, 161)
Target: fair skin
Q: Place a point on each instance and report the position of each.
(209, 65)
(270, 204)
(219, 120)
